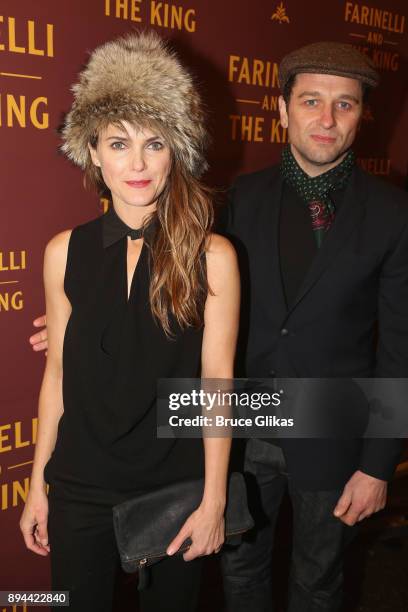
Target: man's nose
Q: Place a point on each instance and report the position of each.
(327, 118)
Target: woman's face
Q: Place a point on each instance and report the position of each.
(135, 163)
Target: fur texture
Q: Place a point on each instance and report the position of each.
(138, 79)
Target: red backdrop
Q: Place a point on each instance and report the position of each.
(233, 47)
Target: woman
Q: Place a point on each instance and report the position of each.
(141, 293)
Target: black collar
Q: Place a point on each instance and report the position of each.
(115, 229)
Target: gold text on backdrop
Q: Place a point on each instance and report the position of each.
(253, 71)
(124, 9)
(13, 493)
(248, 128)
(24, 38)
(18, 435)
(374, 17)
(162, 14)
(11, 301)
(18, 110)
(384, 60)
(172, 16)
(13, 260)
(10, 298)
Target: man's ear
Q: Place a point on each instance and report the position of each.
(283, 112)
(94, 155)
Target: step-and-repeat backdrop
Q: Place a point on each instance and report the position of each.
(234, 48)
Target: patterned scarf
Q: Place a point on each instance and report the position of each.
(316, 191)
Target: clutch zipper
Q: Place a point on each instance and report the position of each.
(143, 575)
(144, 572)
(143, 562)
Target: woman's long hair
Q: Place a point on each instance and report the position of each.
(182, 222)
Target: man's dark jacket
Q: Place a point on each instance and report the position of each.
(350, 316)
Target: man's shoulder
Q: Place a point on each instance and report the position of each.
(381, 191)
(250, 194)
(259, 178)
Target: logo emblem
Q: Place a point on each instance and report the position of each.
(280, 14)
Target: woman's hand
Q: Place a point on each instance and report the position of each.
(33, 522)
(205, 528)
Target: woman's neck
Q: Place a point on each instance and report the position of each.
(133, 216)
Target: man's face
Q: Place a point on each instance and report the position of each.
(322, 118)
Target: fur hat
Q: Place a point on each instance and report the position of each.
(136, 78)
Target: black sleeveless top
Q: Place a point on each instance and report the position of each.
(114, 352)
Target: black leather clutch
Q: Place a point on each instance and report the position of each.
(145, 525)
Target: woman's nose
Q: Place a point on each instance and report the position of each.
(137, 161)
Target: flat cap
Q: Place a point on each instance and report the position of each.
(329, 58)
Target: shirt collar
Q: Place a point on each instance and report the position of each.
(114, 228)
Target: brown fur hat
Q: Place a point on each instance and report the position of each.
(137, 78)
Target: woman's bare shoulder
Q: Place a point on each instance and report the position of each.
(59, 243)
(221, 259)
(55, 256)
(220, 247)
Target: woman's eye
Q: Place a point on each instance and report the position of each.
(118, 145)
(156, 145)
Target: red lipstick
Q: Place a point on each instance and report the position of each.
(138, 184)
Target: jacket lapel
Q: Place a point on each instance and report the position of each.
(270, 242)
(346, 223)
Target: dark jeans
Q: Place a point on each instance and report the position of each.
(85, 559)
(319, 541)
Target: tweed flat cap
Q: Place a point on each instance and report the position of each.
(329, 58)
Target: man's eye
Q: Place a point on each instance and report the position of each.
(118, 145)
(311, 102)
(344, 105)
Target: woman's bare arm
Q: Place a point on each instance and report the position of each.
(58, 310)
(33, 522)
(218, 352)
(206, 525)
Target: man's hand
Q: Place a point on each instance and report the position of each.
(362, 496)
(39, 341)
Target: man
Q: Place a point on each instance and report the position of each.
(324, 261)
